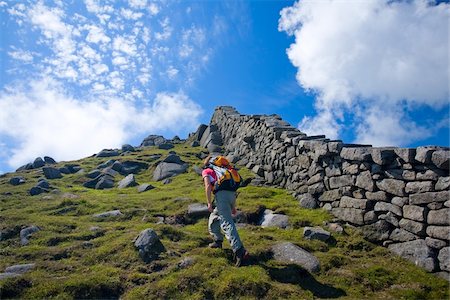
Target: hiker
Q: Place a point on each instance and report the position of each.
(225, 202)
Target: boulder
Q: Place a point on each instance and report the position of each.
(443, 183)
(269, 219)
(117, 166)
(148, 245)
(153, 140)
(439, 232)
(392, 186)
(289, 253)
(197, 210)
(166, 146)
(401, 235)
(441, 159)
(307, 201)
(377, 232)
(34, 191)
(49, 160)
(439, 217)
(17, 180)
(42, 183)
(93, 174)
(165, 170)
(38, 162)
(145, 187)
(107, 153)
(19, 269)
(128, 148)
(316, 233)
(199, 133)
(133, 167)
(112, 213)
(26, 233)
(106, 164)
(444, 259)
(417, 252)
(51, 173)
(28, 166)
(173, 158)
(106, 182)
(128, 181)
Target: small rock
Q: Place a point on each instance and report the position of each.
(19, 269)
(148, 245)
(26, 233)
(112, 213)
(198, 210)
(335, 227)
(43, 184)
(128, 181)
(17, 180)
(87, 245)
(51, 173)
(145, 187)
(186, 262)
(292, 254)
(316, 233)
(38, 162)
(34, 191)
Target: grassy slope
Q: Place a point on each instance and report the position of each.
(69, 267)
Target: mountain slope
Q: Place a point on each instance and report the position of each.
(77, 255)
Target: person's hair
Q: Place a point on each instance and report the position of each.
(206, 161)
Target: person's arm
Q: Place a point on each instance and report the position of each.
(208, 192)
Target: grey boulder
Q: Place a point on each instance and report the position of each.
(112, 213)
(128, 181)
(166, 146)
(165, 170)
(17, 180)
(417, 252)
(38, 162)
(269, 219)
(292, 254)
(51, 173)
(128, 148)
(316, 233)
(145, 187)
(26, 233)
(107, 153)
(49, 160)
(148, 245)
(153, 140)
(19, 269)
(173, 158)
(198, 210)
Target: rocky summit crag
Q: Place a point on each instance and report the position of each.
(131, 223)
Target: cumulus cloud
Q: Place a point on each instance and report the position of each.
(370, 57)
(48, 121)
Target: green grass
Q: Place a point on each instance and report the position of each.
(73, 261)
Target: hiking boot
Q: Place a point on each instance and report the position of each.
(241, 255)
(216, 244)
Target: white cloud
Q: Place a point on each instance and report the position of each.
(119, 60)
(130, 15)
(166, 30)
(137, 3)
(125, 44)
(47, 121)
(153, 9)
(360, 55)
(172, 72)
(97, 35)
(21, 55)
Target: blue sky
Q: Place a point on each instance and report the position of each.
(82, 75)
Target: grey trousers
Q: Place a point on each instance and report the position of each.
(221, 218)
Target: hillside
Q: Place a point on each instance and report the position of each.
(78, 255)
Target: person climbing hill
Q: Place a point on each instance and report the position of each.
(222, 180)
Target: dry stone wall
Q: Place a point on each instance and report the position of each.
(398, 196)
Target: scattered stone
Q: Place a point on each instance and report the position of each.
(173, 158)
(107, 153)
(42, 183)
(145, 187)
(26, 233)
(335, 227)
(112, 213)
(316, 233)
(128, 181)
(51, 173)
(49, 160)
(34, 191)
(153, 140)
(444, 259)
(149, 245)
(197, 210)
(165, 170)
(106, 182)
(417, 252)
(441, 159)
(269, 219)
(133, 167)
(377, 232)
(17, 180)
(20, 269)
(93, 174)
(166, 146)
(186, 262)
(128, 148)
(307, 201)
(38, 162)
(28, 166)
(292, 254)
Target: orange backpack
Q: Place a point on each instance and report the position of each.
(228, 178)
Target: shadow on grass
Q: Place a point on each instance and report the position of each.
(296, 275)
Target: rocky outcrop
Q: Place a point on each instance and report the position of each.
(397, 195)
(148, 245)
